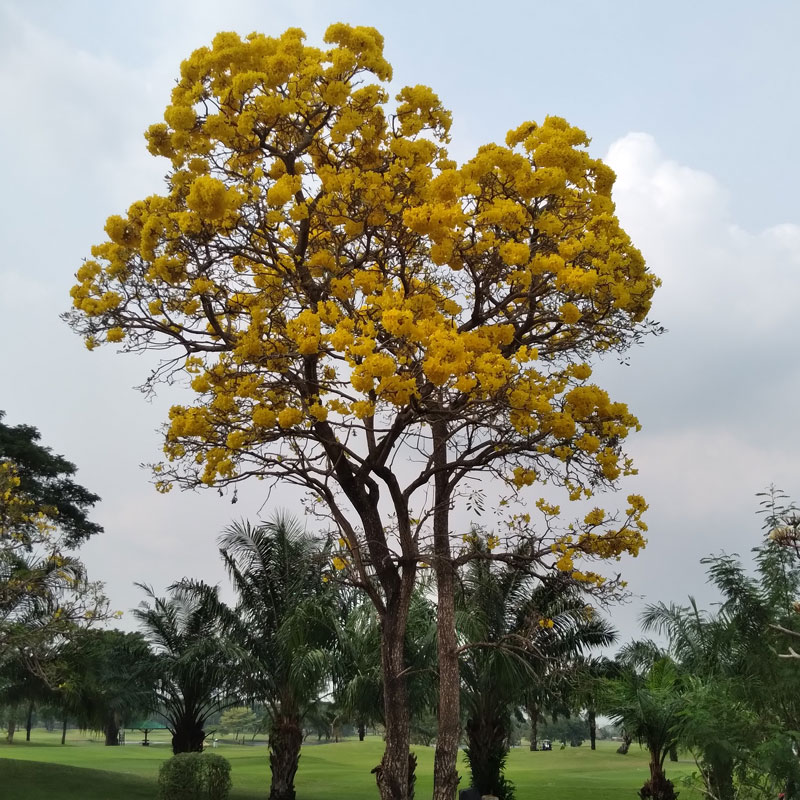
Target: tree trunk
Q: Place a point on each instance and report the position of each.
(533, 713)
(188, 737)
(445, 774)
(12, 727)
(593, 728)
(64, 731)
(285, 739)
(487, 748)
(626, 744)
(658, 787)
(721, 782)
(111, 730)
(673, 753)
(362, 731)
(393, 775)
(29, 722)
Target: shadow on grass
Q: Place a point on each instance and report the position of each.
(35, 780)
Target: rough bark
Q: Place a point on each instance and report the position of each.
(593, 728)
(533, 713)
(445, 774)
(658, 787)
(392, 774)
(487, 748)
(626, 744)
(12, 727)
(285, 739)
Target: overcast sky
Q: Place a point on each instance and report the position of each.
(693, 104)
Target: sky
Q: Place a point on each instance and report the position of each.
(693, 104)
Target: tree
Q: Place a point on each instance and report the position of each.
(45, 483)
(238, 720)
(108, 679)
(514, 626)
(195, 664)
(648, 704)
(44, 591)
(282, 623)
(346, 298)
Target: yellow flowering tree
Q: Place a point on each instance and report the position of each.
(363, 317)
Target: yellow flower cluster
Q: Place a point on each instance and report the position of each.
(328, 265)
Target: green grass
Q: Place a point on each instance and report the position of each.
(86, 770)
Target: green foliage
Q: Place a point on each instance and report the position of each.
(46, 480)
(195, 662)
(194, 776)
(237, 720)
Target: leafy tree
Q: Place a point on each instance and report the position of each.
(108, 679)
(346, 297)
(195, 664)
(238, 720)
(44, 592)
(46, 485)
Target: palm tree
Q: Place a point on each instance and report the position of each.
(195, 663)
(282, 623)
(648, 703)
(518, 633)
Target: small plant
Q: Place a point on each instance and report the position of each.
(194, 776)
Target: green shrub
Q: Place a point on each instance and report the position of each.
(194, 776)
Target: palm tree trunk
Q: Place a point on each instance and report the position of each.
(285, 739)
(445, 774)
(658, 787)
(487, 737)
(593, 728)
(626, 744)
(188, 736)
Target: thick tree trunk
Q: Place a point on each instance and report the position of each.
(445, 774)
(188, 737)
(12, 727)
(393, 775)
(487, 738)
(64, 731)
(285, 739)
(593, 728)
(29, 722)
(626, 744)
(533, 713)
(658, 787)
(362, 731)
(111, 731)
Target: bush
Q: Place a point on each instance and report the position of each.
(194, 776)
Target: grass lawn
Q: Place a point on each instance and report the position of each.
(86, 770)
